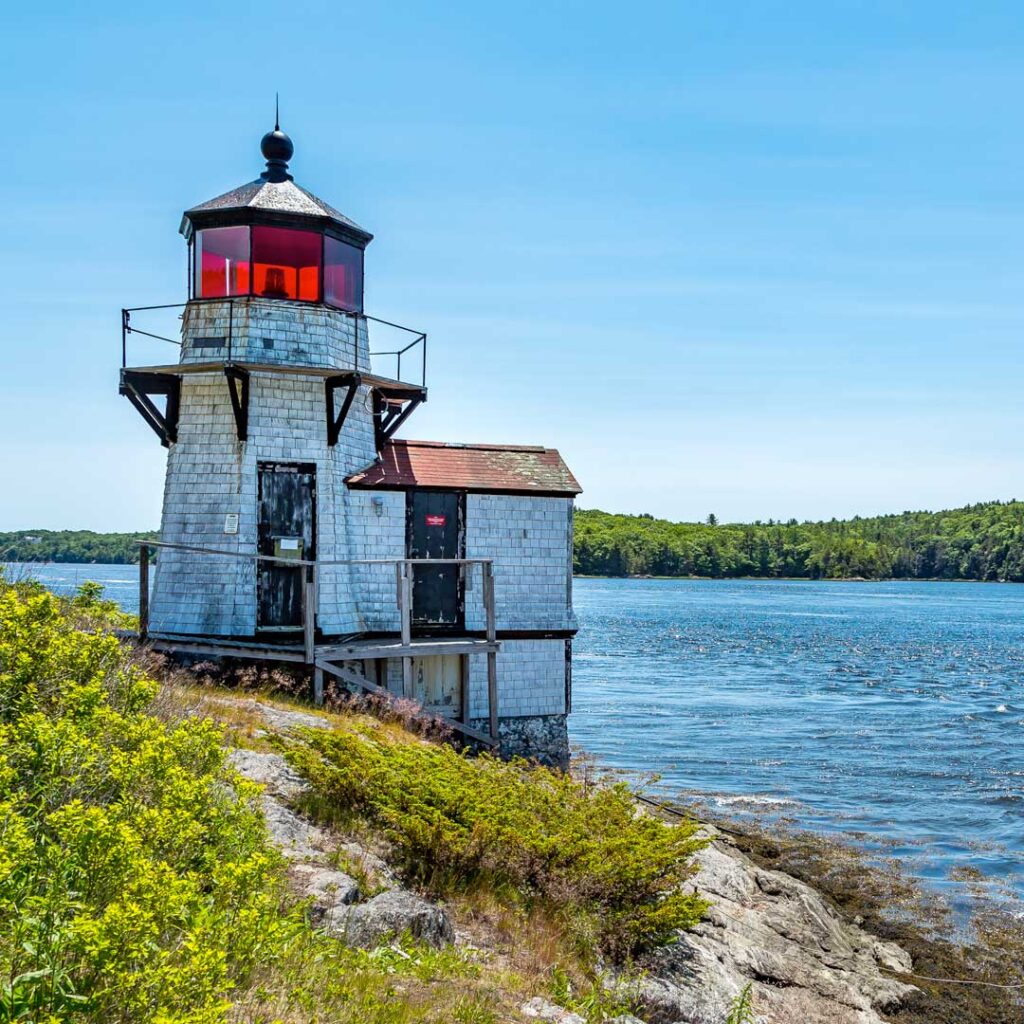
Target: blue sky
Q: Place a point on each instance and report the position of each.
(757, 259)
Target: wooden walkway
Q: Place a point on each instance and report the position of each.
(336, 657)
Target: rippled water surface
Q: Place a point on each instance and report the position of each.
(894, 711)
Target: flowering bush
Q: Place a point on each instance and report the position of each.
(135, 883)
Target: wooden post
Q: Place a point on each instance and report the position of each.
(488, 600)
(309, 615)
(406, 613)
(405, 603)
(465, 709)
(143, 591)
(492, 657)
(318, 686)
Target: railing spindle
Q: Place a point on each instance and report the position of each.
(309, 613)
(143, 591)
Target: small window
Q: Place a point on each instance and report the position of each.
(286, 263)
(343, 274)
(221, 263)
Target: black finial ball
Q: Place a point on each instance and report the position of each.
(277, 146)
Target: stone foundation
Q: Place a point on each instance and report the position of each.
(543, 738)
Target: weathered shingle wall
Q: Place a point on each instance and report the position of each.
(530, 540)
(531, 679)
(378, 531)
(272, 331)
(210, 474)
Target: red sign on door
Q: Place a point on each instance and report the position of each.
(436, 520)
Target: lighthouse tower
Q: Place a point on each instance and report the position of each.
(297, 527)
(272, 338)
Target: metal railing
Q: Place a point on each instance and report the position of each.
(419, 338)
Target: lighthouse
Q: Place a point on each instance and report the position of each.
(298, 527)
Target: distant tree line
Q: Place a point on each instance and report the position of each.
(71, 546)
(979, 542)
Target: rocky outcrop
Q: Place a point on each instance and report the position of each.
(330, 892)
(540, 1009)
(298, 839)
(333, 894)
(806, 963)
(391, 914)
(271, 771)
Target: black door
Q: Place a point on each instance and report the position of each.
(434, 520)
(287, 529)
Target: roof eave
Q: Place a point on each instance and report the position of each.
(245, 216)
(511, 492)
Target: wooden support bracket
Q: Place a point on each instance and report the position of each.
(396, 417)
(138, 387)
(351, 381)
(391, 409)
(238, 389)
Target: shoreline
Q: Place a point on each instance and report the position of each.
(797, 579)
(968, 971)
(651, 576)
(965, 890)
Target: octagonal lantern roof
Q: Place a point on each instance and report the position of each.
(272, 198)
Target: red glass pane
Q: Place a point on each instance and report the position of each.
(221, 262)
(286, 263)
(343, 274)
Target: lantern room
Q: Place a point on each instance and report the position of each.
(272, 239)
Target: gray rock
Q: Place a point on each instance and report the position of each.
(297, 839)
(391, 914)
(378, 872)
(625, 1018)
(892, 957)
(541, 1009)
(543, 738)
(331, 891)
(807, 964)
(275, 718)
(283, 719)
(269, 770)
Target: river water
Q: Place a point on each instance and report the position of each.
(892, 712)
(889, 712)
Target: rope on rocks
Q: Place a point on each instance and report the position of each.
(953, 981)
(1014, 986)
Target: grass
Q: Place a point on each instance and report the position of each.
(319, 979)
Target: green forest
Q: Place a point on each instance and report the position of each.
(979, 542)
(71, 546)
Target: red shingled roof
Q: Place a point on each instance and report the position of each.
(469, 467)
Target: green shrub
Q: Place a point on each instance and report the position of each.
(614, 873)
(135, 882)
(742, 1009)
